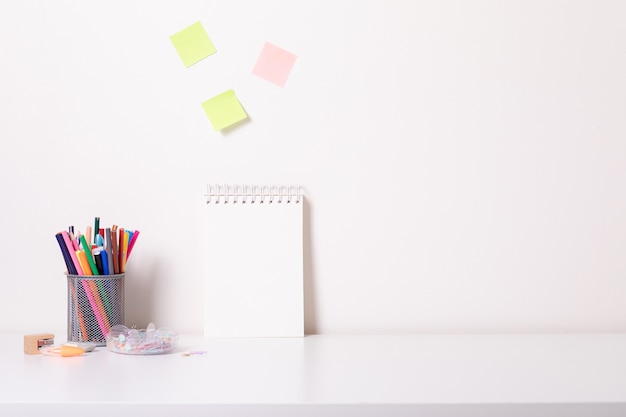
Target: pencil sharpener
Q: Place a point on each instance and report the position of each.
(34, 342)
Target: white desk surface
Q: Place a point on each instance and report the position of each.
(330, 375)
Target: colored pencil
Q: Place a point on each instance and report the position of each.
(107, 235)
(66, 254)
(87, 249)
(114, 250)
(131, 244)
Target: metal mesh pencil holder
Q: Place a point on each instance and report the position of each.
(94, 305)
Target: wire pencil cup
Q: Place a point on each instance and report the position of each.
(94, 305)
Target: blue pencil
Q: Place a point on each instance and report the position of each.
(66, 255)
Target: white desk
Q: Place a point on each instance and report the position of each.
(404, 375)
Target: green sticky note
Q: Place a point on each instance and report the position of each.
(193, 44)
(224, 110)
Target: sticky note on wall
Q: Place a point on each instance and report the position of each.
(193, 44)
(274, 64)
(224, 110)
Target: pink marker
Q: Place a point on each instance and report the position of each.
(68, 243)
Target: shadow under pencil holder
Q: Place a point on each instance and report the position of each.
(95, 303)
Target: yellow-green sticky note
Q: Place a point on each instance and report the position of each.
(224, 110)
(193, 44)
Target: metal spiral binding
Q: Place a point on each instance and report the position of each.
(253, 194)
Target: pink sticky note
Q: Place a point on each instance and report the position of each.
(274, 64)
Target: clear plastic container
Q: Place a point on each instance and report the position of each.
(149, 341)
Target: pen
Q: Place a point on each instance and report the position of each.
(105, 262)
(97, 257)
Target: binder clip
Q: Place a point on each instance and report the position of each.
(33, 343)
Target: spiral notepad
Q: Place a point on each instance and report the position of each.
(253, 284)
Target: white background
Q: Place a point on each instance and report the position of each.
(463, 161)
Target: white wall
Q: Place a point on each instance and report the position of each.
(464, 162)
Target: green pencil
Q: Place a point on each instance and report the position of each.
(87, 249)
(96, 229)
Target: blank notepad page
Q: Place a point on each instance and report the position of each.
(253, 283)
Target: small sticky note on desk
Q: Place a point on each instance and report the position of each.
(224, 110)
(193, 44)
(274, 64)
